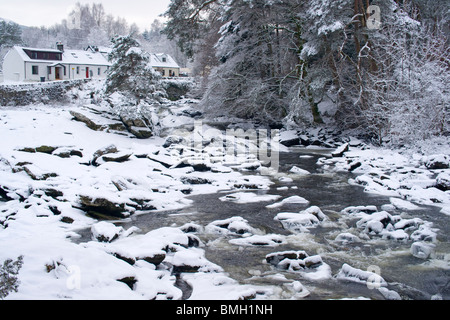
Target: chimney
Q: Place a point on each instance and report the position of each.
(60, 46)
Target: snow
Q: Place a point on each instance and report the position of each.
(302, 221)
(249, 197)
(360, 276)
(42, 224)
(407, 177)
(299, 171)
(105, 230)
(289, 200)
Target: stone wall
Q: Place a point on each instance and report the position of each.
(46, 93)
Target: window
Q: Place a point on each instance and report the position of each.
(164, 59)
(35, 69)
(49, 70)
(78, 70)
(99, 71)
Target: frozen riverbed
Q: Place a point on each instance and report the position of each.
(339, 239)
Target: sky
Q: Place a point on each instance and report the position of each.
(36, 13)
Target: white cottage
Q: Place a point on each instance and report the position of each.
(165, 64)
(31, 64)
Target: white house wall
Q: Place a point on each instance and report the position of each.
(72, 73)
(13, 67)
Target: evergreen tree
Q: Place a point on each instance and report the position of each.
(131, 73)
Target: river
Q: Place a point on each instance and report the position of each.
(410, 277)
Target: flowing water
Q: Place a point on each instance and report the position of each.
(409, 276)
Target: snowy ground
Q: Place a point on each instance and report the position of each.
(45, 191)
(57, 176)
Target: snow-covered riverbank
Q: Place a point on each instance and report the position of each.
(60, 174)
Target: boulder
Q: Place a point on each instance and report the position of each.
(339, 152)
(41, 149)
(439, 161)
(37, 174)
(173, 140)
(137, 126)
(194, 180)
(443, 181)
(277, 257)
(77, 116)
(346, 238)
(105, 231)
(117, 157)
(45, 149)
(422, 250)
(102, 208)
(101, 152)
(67, 153)
(349, 273)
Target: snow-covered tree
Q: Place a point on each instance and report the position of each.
(133, 87)
(10, 34)
(131, 73)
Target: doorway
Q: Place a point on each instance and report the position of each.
(87, 73)
(57, 73)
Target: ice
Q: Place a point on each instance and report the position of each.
(289, 200)
(403, 204)
(268, 240)
(422, 250)
(234, 225)
(302, 221)
(360, 276)
(299, 171)
(249, 197)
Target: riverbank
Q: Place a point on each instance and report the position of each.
(61, 176)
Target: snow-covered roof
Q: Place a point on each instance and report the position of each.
(68, 56)
(163, 60)
(84, 57)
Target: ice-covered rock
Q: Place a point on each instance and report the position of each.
(268, 240)
(360, 209)
(425, 233)
(302, 221)
(249, 197)
(289, 138)
(191, 261)
(403, 204)
(111, 149)
(443, 181)
(346, 237)
(276, 257)
(105, 231)
(299, 171)
(339, 152)
(103, 208)
(289, 200)
(397, 235)
(234, 225)
(438, 161)
(422, 250)
(360, 276)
